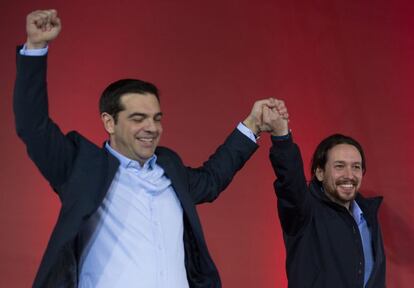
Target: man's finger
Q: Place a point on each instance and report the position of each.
(266, 115)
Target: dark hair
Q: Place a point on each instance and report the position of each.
(320, 156)
(110, 99)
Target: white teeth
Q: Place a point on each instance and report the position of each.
(145, 139)
(347, 185)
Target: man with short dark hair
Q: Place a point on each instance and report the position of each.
(128, 216)
(331, 232)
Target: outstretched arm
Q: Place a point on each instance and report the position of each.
(215, 175)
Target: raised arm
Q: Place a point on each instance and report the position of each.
(47, 146)
(290, 186)
(215, 175)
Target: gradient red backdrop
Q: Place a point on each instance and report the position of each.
(340, 65)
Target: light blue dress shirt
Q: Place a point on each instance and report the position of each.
(135, 239)
(366, 240)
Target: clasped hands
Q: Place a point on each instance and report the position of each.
(268, 115)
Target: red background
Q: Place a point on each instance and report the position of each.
(341, 66)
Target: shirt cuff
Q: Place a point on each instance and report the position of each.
(247, 132)
(33, 52)
(283, 137)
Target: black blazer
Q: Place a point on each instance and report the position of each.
(322, 240)
(81, 172)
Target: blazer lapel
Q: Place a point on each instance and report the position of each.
(111, 165)
(177, 175)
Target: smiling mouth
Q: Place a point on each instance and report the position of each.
(347, 186)
(147, 141)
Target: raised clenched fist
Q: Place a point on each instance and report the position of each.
(42, 26)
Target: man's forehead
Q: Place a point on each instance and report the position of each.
(139, 101)
(138, 95)
(342, 152)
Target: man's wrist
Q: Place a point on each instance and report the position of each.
(284, 137)
(282, 133)
(251, 124)
(35, 45)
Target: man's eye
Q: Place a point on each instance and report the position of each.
(137, 120)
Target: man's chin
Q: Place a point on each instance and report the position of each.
(347, 197)
(148, 154)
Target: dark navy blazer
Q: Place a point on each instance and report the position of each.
(80, 173)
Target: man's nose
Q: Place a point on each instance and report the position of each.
(348, 172)
(150, 125)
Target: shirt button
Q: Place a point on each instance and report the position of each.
(359, 271)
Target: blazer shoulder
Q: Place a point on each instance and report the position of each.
(85, 148)
(79, 139)
(165, 152)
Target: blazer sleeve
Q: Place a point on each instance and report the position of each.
(290, 187)
(209, 180)
(47, 146)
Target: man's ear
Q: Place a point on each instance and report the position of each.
(108, 122)
(319, 173)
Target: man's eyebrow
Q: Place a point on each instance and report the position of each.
(137, 114)
(343, 162)
(143, 115)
